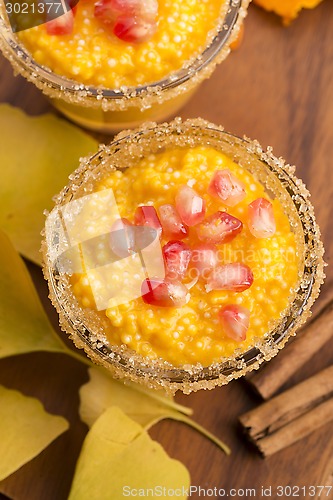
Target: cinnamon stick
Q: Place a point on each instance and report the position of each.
(277, 372)
(292, 415)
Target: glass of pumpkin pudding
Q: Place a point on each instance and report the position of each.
(112, 64)
(182, 256)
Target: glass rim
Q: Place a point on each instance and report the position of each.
(70, 89)
(122, 361)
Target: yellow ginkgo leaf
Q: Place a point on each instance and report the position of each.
(119, 459)
(37, 154)
(287, 9)
(24, 326)
(26, 429)
(145, 406)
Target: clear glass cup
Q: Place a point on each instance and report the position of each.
(279, 181)
(110, 110)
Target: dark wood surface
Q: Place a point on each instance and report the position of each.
(277, 88)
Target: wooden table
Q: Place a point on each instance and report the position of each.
(277, 88)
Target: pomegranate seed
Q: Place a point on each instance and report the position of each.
(225, 186)
(62, 25)
(108, 11)
(134, 29)
(177, 256)
(142, 8)
(171, 222)
(122, 238)
(148, 9)
(204, 259)
(190, 206)
(220, 227)
(164, 293)
(235, 277)
(261, 218)
(235, 321)
(147, 216)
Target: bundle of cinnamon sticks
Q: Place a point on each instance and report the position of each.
(297, 412)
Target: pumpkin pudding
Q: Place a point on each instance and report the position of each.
(229, 253)
(182, 256)
(99, 43)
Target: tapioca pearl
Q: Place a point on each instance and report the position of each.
(145, 348)
(217, 298)
(85, 281)
(126, 339)
(271, 309)
(77, 289)
(149, 328)
(283, 283)
(201, 305)
(275, 292)
(218, 349)
(131, 327)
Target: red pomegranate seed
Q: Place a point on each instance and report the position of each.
(177, 256)
(190, 206)
(164, 293)
(62, 25)
(131, 20)
(141, 8)
(220, 227)
(235, 321)
(122, 238)
(134, 29)
(235, 277)
(108, 11)
(225, 186)
(147, 216)
(148, 9)
(171, 222)
(261, 218)
(204, 259)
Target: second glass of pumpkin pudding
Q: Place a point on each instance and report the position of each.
(113, 64)
(182, 256)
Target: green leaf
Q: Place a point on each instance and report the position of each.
(25, 430)
(118, 453)
(24, 326)
(37, 156)
(145, 406)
